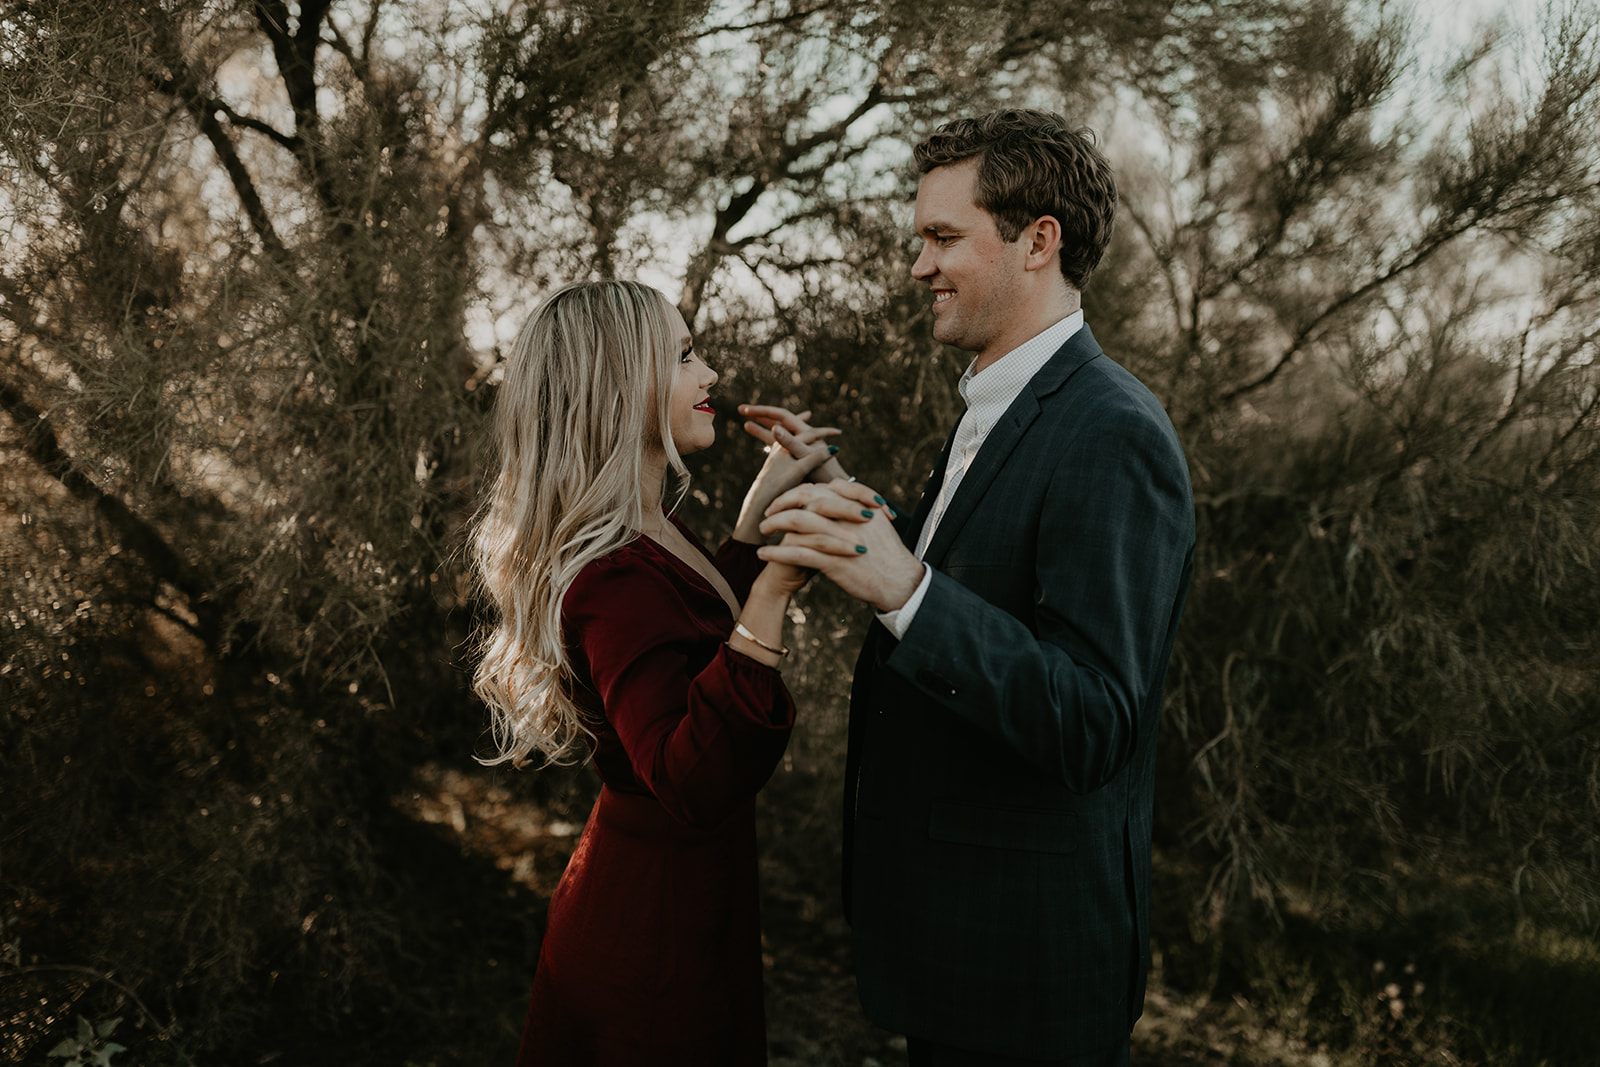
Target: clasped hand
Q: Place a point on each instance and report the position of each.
(795, 451)
(840, 528)
(793, 455)
(765, 421)
(843, 530)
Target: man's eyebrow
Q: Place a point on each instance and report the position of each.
(937, 228)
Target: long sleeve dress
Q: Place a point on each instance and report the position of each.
(652, 951)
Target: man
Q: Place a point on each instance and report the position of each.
(1003, 716)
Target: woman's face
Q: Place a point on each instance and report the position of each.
(694, 424)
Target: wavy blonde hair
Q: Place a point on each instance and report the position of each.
(586, 393)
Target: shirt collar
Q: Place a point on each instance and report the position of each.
(990, 393)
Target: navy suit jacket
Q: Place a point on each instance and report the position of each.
(1002, 755)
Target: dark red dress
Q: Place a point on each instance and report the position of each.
(652, 952)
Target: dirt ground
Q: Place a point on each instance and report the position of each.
(509, 851)
(813, 1016)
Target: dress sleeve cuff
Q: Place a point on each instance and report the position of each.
(765, 697)
(738, 661)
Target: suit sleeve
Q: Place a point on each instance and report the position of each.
(702, 741)
(1114, 546)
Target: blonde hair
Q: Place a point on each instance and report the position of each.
(587, 392)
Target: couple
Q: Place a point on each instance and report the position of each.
(1003, 715)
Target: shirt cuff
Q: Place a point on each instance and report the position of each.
(898, 621)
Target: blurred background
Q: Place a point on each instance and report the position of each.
(260, 263)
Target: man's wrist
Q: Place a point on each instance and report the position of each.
(902, 585)
(899, 620)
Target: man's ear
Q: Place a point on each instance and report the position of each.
(1042, 239)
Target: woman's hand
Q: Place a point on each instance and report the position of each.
(791, 459)
(763, 419)
(834, 529)
(782, 580)
(768, 602)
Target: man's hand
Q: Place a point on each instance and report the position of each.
(822, 529)
(762, 420)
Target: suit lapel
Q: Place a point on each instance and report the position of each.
(1079, 349)
(909, 532)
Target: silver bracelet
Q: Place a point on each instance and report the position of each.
(743, 631)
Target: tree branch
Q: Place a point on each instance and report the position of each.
(181, 83)
(358, 63)
(39, 441)
(109, 977)
(1589, 410)
(289, 141)
(1163, 256)
(1521, 388)
(1313, 329)
(243, 184)
(704, 263)
(296, 57)
(793, 17)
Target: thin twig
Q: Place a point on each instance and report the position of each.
(109, 977)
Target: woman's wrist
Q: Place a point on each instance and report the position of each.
(748, 529)
(740, 629)
(762, 622)
(748, 643)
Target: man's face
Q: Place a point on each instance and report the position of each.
(973, 274)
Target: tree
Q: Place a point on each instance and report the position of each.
(249, 246)
(260, 261)
(1371, 314)
(239, 408)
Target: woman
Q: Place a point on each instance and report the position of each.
(621, 637)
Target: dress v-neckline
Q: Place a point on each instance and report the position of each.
(685, 565)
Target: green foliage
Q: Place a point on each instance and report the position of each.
(91, 1046)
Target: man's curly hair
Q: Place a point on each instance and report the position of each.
(1030, 164)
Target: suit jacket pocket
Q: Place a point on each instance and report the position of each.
(1023, 829)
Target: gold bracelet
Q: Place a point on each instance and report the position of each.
(744, 631)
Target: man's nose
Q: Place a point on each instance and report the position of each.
(923, 267)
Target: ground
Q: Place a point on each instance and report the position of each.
(474, 856)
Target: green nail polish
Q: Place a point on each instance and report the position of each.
(862, 549)
(866, 513)
(880, 499)
(833, 450)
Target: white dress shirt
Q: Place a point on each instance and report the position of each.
(988, 395)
